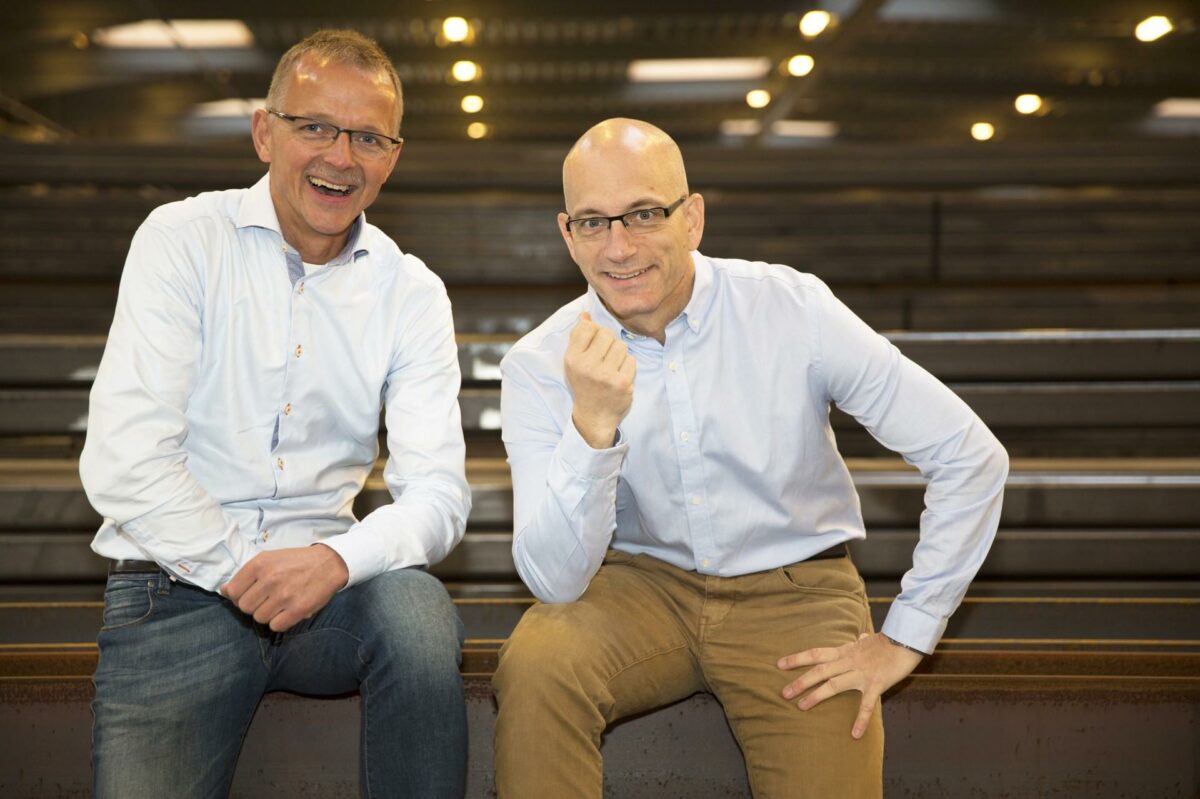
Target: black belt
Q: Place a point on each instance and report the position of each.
(132, 566)
(835, 551)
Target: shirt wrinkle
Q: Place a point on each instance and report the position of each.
(732, 459)
(263, 441)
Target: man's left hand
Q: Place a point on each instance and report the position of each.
(281, 587)
(872, 664)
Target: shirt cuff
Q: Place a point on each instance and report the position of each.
(364, 556)
(913, 628)
(594, 464)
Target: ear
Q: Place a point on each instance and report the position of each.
(261, 135)
(566, 234)
(694, 213)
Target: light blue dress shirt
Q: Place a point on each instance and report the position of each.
(726, 463)
(236, 408)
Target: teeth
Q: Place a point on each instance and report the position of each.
(615, 276)
(325, 183)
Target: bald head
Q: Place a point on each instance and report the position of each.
(636, 147)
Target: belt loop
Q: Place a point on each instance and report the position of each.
(164, 582)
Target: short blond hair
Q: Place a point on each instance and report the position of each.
(342, 47)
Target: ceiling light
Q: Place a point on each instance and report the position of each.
(232, 107)
(655, 70)
(804, 129)
(189, 33)
(758, 98)
(814, 23)
(1152, 28)
(982, 131)
(477, 130)
(465, 71)
(800, 65)
(472, 103)
(455, 29)
(1178, 108)
(740, 127)
(1028, 104)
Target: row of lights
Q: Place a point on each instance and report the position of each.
(457, 29)
(1025, 104)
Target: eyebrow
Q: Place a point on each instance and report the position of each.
(643, 202)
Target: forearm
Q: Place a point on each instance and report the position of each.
(565, 516)
(963, 503)
(419, 528)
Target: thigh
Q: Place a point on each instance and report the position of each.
(789, 752)
(179, 676)
(625, 643)
(402, 618)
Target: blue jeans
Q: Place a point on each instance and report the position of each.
(182, 670)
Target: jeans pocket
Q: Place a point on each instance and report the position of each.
(128, 602)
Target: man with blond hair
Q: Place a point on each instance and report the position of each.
(682, 511)
(232, 422)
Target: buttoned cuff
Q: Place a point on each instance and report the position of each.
(913, 628)
(593, 464)
(365, 556)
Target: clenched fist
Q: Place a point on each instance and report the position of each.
(600, 371)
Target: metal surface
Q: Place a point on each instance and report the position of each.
(948, 736)
(991, 356)
(1168, 623)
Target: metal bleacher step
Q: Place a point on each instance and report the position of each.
(46, 494)
(1078, 623)
(1055, 356)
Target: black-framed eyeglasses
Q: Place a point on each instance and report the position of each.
(642, 220)
(366, 143)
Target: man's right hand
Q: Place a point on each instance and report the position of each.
(600, 371)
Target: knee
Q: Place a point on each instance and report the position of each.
(546, 653)
(409, 618)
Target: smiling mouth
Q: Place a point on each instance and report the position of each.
(329, 188)
(629, 276)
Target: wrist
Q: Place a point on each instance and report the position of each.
(894, 642)
(598, 434)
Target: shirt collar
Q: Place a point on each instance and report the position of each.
(693, 313)
(258, 210)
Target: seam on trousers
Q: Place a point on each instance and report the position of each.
(641, 660)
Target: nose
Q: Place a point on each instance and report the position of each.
(620, 245)
(339, 153)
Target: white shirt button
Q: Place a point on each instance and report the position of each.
(695, 497)
(300, 287)
(299, 350)
(705, 563)
(684, 436)
(267, 534)
(287, 409)
(673, 366)
(279, 463)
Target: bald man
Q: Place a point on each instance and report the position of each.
(681, 509)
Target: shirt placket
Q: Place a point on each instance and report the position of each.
(284, 456)
(686, 434)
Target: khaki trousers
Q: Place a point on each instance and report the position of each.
(645, 634)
